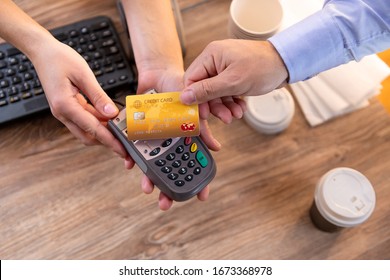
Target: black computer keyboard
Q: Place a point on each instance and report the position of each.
(95, 39)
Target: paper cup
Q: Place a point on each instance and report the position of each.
(270, 113)
(254, 19)
(343, 198)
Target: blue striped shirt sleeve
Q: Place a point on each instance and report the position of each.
(342, 31)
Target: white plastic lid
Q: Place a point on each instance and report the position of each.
(254, 17)
(345, 197)
(270, 113)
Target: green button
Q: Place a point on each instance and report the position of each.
(201, 158)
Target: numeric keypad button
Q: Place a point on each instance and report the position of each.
(197, 171)
(171, 156)
(182, 171)
(191, 163)
(179, 183)
(189, 177)
(166, 143)
(166, 169)
(160, 162)
(179, 149)
(185, 156)
(173, 176)
(155, 151)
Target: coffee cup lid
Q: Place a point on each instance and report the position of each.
(256, 18)
(345, 197)
(271, 112)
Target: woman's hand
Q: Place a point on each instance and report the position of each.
(66, 77)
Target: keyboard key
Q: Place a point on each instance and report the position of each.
(14, 99)
(26, 95)
(82, 41)
(61, 36)
(13, 91)
(111, 50)
(98, 73)
(93, 37)
(99, 26)
(13, 61)
(108, 43)
(10, 72)
(28, 76)
(38, 91)
(73, 33)
(25, 87)
(4, 83)
(23, 58)
(106, 33)
(22, 68)
(12, 51)
(16, 80)
(109, 69)
(84, 30)
(36, 83)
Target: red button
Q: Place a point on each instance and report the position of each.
(187, 141)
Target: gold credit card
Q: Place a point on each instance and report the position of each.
(160, 116)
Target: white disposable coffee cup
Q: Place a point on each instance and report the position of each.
(254, 19)
(270, 113)
(343, 198)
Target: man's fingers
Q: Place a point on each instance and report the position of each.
(207, 137)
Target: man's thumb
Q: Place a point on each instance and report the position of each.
(202, 91)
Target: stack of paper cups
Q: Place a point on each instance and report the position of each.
(254, 19)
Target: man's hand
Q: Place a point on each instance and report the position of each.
(229, 69)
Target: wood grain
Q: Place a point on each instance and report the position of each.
(62, 200)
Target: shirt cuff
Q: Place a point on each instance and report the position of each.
(310, 46)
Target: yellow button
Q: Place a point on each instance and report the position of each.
(194, 147)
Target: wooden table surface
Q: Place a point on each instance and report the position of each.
(62, 200)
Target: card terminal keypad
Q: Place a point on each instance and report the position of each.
(180, 167)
